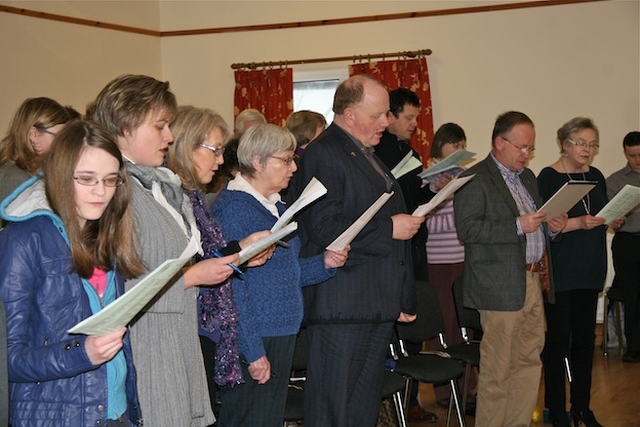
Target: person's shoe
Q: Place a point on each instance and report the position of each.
(416, 413)
(631, 357)
(444, 403)
(584, 417)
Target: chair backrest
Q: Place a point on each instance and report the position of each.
(468, 318)
(4, 377)
(429, 322)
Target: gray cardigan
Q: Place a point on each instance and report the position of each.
(172, 382)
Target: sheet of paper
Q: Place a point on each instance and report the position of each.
(454, 170)
(120, 312)
(350, 233)
(256, 247)
(312, 192)
(566, 197)
(406, 165)
(621, 204)
(457, 158)
(442, 195)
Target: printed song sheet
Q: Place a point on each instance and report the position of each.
(256, 247)
(120, 312)
(350, 233)
(621, 204)
(448, 164)
(566, 197)
(312, 192)
(442, 195)
(406, 165)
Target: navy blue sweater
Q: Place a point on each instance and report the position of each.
(269, 297)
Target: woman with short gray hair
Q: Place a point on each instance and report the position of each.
(269, 298)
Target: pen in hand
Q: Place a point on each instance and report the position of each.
(236, 269)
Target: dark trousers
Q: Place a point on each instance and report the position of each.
(626, 261)
(253, 404)
(209, 355)
(571, 323)
(345, 374)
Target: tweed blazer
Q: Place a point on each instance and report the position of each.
(495, 255)
(376, 283)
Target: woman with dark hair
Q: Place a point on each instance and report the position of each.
(579, 261)
(445, 253)
(65, 252)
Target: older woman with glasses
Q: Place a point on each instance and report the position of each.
(196, 154)
(269, 297)
(579, 261)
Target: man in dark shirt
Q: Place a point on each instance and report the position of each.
(404, 108)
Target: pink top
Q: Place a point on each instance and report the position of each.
(99, 281)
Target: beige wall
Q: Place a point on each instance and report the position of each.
(552, 62)
(71, 63)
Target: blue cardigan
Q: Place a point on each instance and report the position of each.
(269, 297)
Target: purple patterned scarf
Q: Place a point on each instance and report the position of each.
(217, 311)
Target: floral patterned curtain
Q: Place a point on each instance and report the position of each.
(269, 91)
(412, 74)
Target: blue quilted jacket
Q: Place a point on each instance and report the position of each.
(52, 381)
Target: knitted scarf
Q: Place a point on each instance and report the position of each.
(217, 310)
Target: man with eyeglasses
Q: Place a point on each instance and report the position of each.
(626, 247)
(505, 239)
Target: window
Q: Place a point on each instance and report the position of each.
(314, 90)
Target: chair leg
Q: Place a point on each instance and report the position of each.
(465, 386)
(456, 401)
(397, 402)
(616, 309)
(605, 326)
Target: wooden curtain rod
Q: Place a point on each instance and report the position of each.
(354, 58)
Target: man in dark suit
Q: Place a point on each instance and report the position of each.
(504, 239)
(404, 109)
(350, 317)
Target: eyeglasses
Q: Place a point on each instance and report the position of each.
(218, 151)
(523, 150)
(584, 144)
(458, 144)
(44, 130)
(92, 181)
(287, 160)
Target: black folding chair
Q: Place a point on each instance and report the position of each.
(428, 367)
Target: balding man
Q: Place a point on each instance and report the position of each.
(350, 317)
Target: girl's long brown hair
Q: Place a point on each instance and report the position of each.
(108, 241)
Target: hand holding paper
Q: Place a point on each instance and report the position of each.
(120, 312)
(621, 204)
(262, 244)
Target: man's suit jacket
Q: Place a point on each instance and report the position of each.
(495, 255)
(376, 283)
